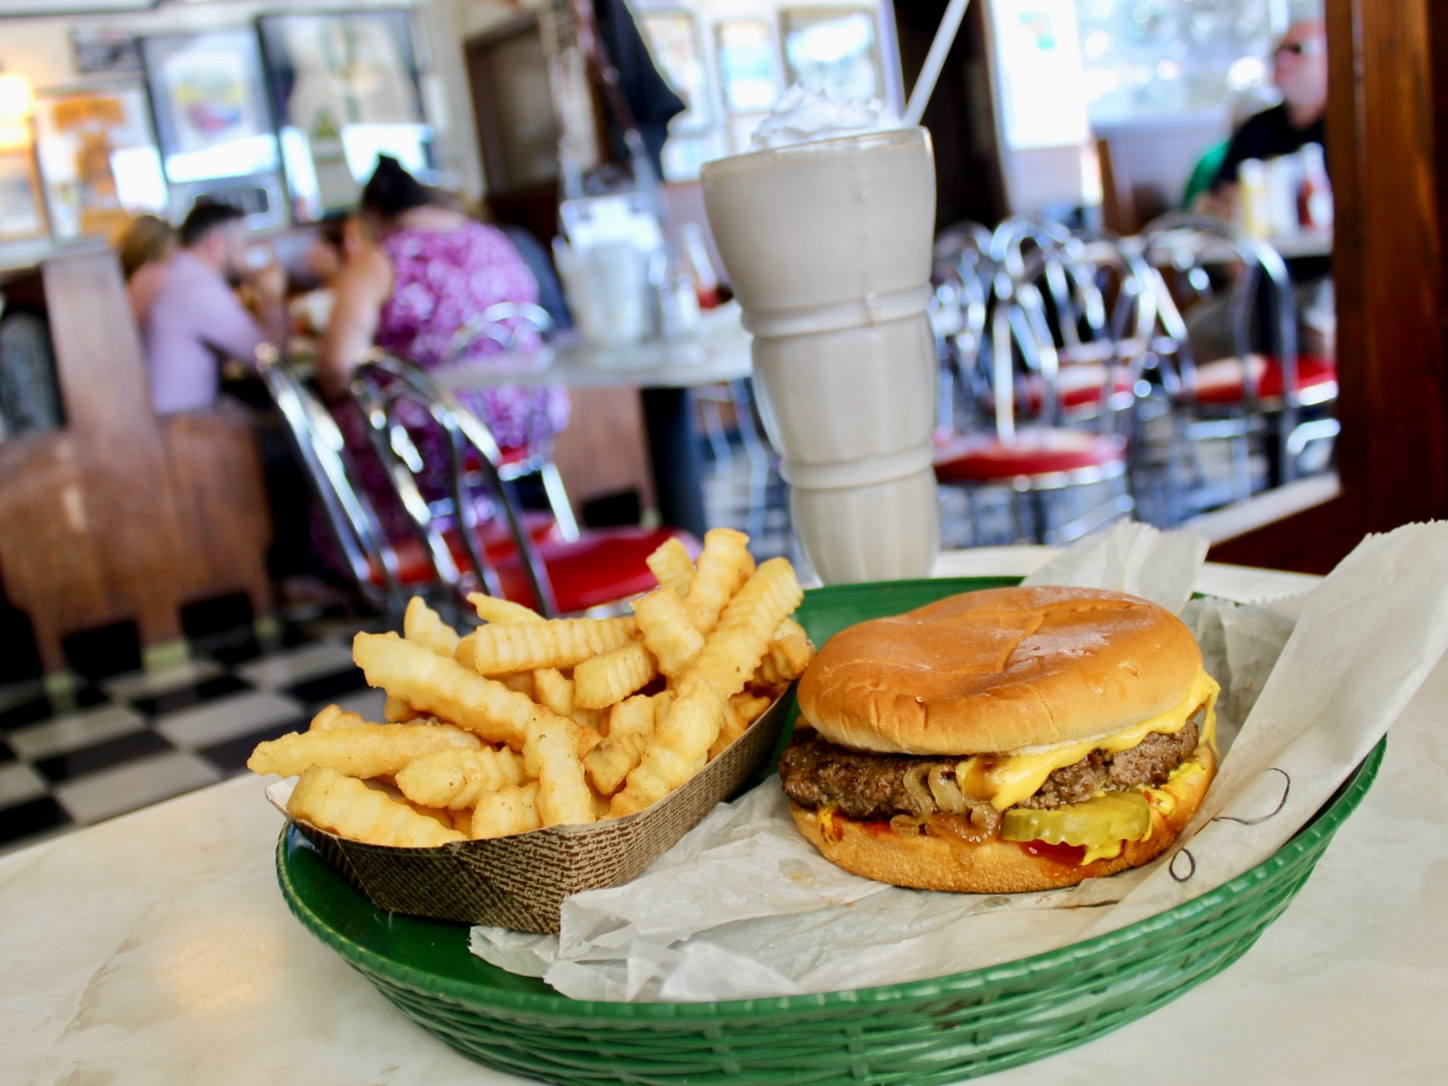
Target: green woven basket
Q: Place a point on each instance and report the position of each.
(932, 1031)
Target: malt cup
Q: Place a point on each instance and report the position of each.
(827, 245)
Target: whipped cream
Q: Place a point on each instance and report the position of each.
(803, 115)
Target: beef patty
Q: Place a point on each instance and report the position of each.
(817, 773)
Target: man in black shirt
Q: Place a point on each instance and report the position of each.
(1299, 70)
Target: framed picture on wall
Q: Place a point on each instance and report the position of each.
(673, 38)
(105, 50)
(834, 50)
(22, 212)
(748, 70)
(99, 162)
(209, 94)
(345, 87)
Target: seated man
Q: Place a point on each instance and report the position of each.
(1300, 73)
(195, 321)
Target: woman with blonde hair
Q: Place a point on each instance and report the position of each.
(144, 249)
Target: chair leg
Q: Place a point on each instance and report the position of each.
(558, 500)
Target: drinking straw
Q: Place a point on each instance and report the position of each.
(934, 61)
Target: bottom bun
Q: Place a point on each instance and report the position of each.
(927, 862)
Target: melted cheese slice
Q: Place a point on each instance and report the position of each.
(1005, 780)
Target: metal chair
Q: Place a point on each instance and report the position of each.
(364, 549)
(1045, 467)
(1270, 405)
(598, 569)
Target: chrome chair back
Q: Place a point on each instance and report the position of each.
(317, 443)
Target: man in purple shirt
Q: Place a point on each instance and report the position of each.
(196, 322)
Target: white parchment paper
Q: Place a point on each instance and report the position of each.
(744, 907)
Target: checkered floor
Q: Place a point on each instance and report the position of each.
(113, 744)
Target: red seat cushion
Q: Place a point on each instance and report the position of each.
(602, 566)
(1077, 386)
(1035, 451)
(414, 564)
(1220, 382)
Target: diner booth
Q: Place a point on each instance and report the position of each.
(172, 917)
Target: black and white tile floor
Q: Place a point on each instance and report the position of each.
(112, 744)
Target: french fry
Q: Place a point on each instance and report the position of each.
(724, 565)
(466, 650)
(509, 810)
(559, 642)
(732, 728)
(553, 690)
(459, 778)
(423, 625)
(668, 630)
(671, 565)
(550, 753)
(445, 688)
(345, 806)
(496, 610)
(334, 717)
(397, 711)
(787, 655)
(679, 743)
(734, 649)
(603, 680)
(367, 750)
(630, 723)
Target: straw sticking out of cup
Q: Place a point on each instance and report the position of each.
(934, 61)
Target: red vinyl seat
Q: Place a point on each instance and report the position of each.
(1038, 451)
(1222, 382)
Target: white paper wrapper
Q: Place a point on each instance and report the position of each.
(744, 907)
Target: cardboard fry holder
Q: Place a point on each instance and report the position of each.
(519, 882)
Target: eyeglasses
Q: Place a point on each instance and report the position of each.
(1310, 48)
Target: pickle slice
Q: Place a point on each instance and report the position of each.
(1095, 823)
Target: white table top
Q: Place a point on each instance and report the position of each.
(157, 949)
(717, 352)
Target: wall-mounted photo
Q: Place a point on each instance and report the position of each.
(748, 69)
(105, 50)
(98, 160)
(345, 88)
(22, 215)
(832, 50)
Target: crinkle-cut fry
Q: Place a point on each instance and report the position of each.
(588, 738)
(733, 727)
(459, 778)
(423, 625)
(507, 811)
(750, 705)
(613, 759)
(724, 565)
(466, 650)
(635, 715)
(668, 630)
(397, 711)
(333, 716)
(734, 649)
(788, 654)
(671, 565)
(367, 750)
(553, 690)
(345, 806)
(680, 742)
(494, 609)
(550, 753)
(559, 642)
(445, 688)
(603, 680)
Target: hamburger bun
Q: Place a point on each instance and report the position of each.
(999, 670)
(927, 862)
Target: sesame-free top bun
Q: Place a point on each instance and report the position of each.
(928, 862)
(999, 670)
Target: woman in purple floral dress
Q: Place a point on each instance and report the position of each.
(422, 273)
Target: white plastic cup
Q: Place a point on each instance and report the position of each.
(827, 245)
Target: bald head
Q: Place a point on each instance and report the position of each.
(1299, 69)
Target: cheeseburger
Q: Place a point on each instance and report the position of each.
(1001, 741)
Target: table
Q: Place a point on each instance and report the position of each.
(156, 948)
(663, 370)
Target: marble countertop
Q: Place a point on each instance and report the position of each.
(156, 949)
